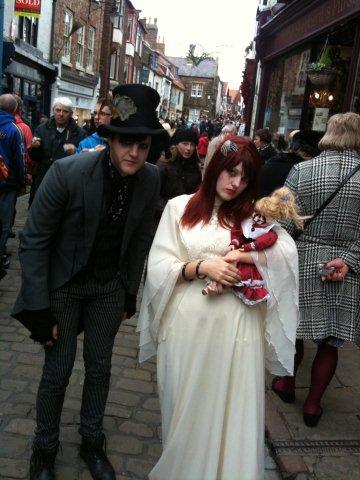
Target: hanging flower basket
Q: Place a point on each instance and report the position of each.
(321, 77)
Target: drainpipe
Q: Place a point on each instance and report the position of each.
(2, 6)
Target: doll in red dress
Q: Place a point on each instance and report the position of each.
(258, 234)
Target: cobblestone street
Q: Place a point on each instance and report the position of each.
(132, 420)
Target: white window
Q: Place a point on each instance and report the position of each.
(80, 47)
(113, 65)
(119, 15)
(196, 90)
(90, 44)
(67, 39)
(138, 42)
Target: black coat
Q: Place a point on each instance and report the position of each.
(275, 171)
(177, 177)
(267, 152)
(52, 145)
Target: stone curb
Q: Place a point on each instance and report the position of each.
(292, 467)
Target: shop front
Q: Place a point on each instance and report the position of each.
(82, 91)
(30, 76)
(309, 56)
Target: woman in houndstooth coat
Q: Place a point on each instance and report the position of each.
(330, 305)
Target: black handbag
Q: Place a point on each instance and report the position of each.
(327, 201)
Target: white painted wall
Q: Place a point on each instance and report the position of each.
(44, 30)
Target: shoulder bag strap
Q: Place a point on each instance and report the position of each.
(327, 201)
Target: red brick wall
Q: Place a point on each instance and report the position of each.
(80, 11)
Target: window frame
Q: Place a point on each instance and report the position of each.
(90, 48)
(197, 90)
(67, 38)
(80, 46)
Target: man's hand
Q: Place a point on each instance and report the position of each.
(340, 272)
(36, 142)
(55, 334)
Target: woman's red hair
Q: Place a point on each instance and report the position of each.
(231, 213)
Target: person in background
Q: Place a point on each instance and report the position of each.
(12, 153)
(28, 136)
(104, 112)
(262, 140)
(279, 142)
(304, 146)
(329, 258)
(180, 174)
(202, 147)
(55, 139)
(227, 131)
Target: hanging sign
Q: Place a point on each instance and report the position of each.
(27, 8)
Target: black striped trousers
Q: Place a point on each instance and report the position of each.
(100, 308)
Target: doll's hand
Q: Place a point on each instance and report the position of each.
(212, 288)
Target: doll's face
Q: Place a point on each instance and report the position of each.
(258, 219)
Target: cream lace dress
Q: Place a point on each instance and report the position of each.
(210, 360)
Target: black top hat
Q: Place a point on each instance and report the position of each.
(136, 105)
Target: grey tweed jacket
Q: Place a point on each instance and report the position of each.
(328, 308)
(60, 230)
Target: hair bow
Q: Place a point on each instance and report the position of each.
(228, 146)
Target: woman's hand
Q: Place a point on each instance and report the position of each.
(221, 271)
(340, 272)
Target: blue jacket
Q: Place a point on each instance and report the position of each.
(91, 142)
(12, 151)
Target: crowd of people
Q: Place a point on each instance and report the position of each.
(232, 283)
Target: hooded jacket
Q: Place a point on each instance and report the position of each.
(11, 151)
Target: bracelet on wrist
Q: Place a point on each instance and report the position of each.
(197, 272)
(183, 272)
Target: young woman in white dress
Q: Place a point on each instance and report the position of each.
(211, 350)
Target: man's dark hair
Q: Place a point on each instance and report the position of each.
(306, 141)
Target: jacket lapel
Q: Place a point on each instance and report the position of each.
(137, 205)
(93, 186)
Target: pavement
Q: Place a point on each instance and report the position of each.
(132, 418)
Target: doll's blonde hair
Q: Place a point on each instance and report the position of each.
(280, 205)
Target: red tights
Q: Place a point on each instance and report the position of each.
(322, 371)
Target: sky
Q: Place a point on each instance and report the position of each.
(223, 28)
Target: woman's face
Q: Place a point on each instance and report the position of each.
(231, 183)
(257, 141)
(102, 116)
(186, 149)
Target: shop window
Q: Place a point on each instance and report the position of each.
(80, 47)
(90, 45)
(196, 90)
(67, 38)
(286, 93)
(27, 30)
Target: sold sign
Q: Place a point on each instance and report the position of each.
(27, 8)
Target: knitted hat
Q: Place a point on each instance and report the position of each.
(184, 135)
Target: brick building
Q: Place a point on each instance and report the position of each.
(28, 62)
(202, 84)
(78, 32)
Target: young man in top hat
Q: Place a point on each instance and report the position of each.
(82, 254)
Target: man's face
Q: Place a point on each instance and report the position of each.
(62, 115)
(128, 155)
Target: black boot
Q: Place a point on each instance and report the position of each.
(42, 464)
(95, 458)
